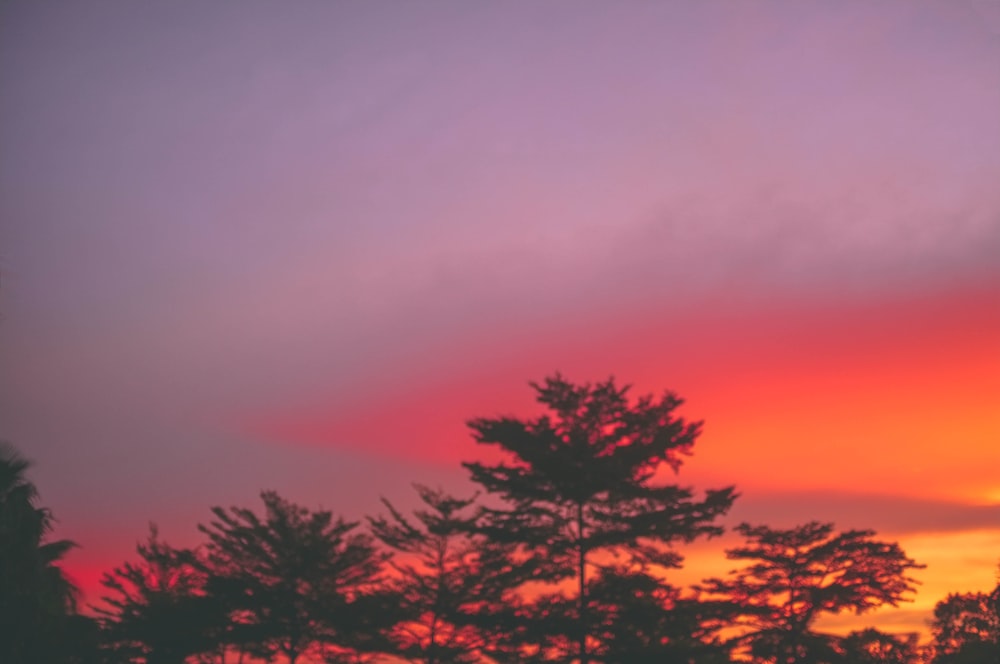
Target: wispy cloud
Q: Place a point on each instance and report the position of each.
(887, 514)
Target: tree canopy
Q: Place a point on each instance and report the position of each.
(582, 484)
(966, 628)
(294, 577)
(435, 584)
(155, 610)
(870, 646)
(795, 575)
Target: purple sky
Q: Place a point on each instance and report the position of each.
(215, 214)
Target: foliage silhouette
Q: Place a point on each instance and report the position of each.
(296, 581)
(870, 646)
(798, 574)
(437, 567)
(966, 629)
(503, 617)
(646, 620)
(580, 486)
(156, 610)
(38, 602)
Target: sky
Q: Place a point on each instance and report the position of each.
(252, 246)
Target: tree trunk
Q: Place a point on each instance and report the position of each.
(581, 572)
(432, 658)
(440, 570)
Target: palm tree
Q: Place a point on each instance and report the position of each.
(35, 593)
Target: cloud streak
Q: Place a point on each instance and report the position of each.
(891, 516)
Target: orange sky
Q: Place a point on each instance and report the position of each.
(894, 398)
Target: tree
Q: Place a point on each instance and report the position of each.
(797, 575)
(581, 485)
(37, 599)
(870, 646)
(437, 567)
(156, 610)
(966, 629)
(646, 620)
(501, 615)
(296, 580)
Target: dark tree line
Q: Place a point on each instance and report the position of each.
(564, 555)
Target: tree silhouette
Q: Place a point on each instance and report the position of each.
(505, 620)
(437, 568)
(36, 597)
(798, 574)
(156, 610)
(646, 620)
(581, 486)
(966, 629)
(295, 580)
(870, 646)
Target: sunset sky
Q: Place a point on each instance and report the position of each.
(253, 245)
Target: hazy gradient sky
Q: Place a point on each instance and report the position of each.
(253, 245)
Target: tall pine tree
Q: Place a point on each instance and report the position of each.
(298, 581)
(582, 487)
(155, 609)
(437, 567)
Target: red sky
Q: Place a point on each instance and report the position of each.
(244, 248)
